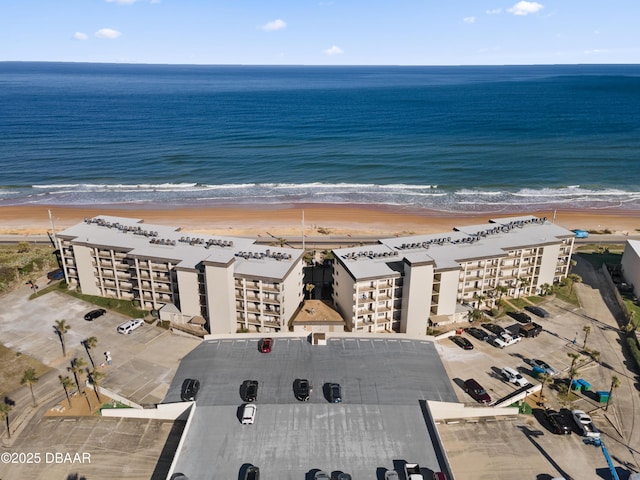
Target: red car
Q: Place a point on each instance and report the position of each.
(265, 345)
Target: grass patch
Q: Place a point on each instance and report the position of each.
(13, 366)
(523, 407)
(123, 307)
(567, 294)
(113, 404)
(598, 258)
(519, 303)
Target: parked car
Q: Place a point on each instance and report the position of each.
(128, 327)
(321, 476)
(493, 328)
(55, 275)
(585, 424)
(462, 342)
(391, 475)
(252, 473)
(344, 476)
(511, 375)
(250, 390)
(93, 314)
(478, 333)
(544, 366)
(479, 394)
(249, 414)
(335, 395)
(538, 311)
(265, 345)
(190, 389)
(557, 423)
(302, 389)
(520, 317)
(439, 476)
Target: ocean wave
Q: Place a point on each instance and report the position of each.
(443, 198)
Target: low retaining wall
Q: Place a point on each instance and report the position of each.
(162, 411)
(444, 411)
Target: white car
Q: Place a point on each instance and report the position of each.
(249, 414)
(130, 326)
(585, 424)
(391, 475)
(511, 375)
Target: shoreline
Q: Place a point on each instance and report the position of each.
(286, 219)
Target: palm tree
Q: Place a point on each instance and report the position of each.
(573, 278)
(90, 343)
(309, 288)
(572, 263)
(5, 408)
(502, 290)
(615, 383)
(587, 330)
(77, 366)
(524, 283)
(544, 378)
(475, 314)
(61, 328)
(30, 378)
(480, 298)
(572, 370)
(96, 377)
(66, 384)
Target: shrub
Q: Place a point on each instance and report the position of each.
(632, 343)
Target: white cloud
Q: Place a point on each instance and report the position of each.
(494, 11)
(80, 36)
(108, 33)
(525, 8)
(596, 32)
(595, 51)
(274, 25)
(334, 50)
(122, 2)
(469, 19)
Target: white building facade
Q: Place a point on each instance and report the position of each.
(631, 264)
(407, 283)
(231, 282)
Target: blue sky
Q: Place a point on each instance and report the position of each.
(321, 32)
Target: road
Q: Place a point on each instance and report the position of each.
(330, 241)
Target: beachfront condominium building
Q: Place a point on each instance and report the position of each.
(406, 284)
(630, 265)
(226, 283)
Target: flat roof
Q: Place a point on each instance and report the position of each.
(449, 250)
(185, 250)
(379, 424)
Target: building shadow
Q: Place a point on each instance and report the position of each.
(531, 435)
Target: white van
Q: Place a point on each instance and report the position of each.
(513, 376)
(130, 326)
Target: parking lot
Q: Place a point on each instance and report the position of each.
(480, 449)
(379, 425)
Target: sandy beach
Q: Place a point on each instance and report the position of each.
(286, 220)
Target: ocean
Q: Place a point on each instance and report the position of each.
(454, 139)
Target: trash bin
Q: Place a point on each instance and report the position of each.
(575, 385)
(603, 397)
(584, 385)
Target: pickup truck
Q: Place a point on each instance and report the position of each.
(504, 340)
(530, 330)
(585, 424)
(412, 471)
